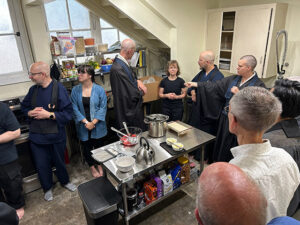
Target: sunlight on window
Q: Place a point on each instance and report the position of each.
(57, 17)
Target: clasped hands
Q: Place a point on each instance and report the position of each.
(89, 125)
(171, 96)
(39, 113)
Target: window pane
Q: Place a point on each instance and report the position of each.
(79, 15)
(57, 17)
(122, 36)
(109, 36)
(9, 49)
(85, 34)
(104, 24)
(5, 21)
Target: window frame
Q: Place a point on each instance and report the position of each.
(23, 45)
(70, 30)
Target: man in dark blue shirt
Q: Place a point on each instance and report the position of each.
(10, 170)
(49, 108)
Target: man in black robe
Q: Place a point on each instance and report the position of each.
(126, 89)
(215, 97)
(209, 72)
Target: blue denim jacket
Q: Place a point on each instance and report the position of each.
(98, 103)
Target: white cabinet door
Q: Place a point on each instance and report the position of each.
(251, 33)
(213, 34)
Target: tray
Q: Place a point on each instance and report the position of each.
(169, 149)
(179, 128)
(104, 154)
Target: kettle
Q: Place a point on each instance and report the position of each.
(145, 152)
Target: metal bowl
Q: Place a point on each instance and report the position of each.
(125, 163)
(135, 134)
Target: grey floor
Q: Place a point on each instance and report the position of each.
(67, 209)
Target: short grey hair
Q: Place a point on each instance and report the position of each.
(250, 61)
(255, 108)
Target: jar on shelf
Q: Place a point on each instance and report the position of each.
(185, 169)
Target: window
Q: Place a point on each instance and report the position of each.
(110, 34)
(14, 46)
(68, 16)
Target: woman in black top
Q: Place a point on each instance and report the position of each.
(172, 91)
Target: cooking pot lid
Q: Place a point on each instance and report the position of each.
(157, 117)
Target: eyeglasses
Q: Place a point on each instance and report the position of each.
(33, 74)
(226, 109)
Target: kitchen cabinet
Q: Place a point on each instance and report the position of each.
(248, 30)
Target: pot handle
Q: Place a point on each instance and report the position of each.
(146, 121)
(146, 141)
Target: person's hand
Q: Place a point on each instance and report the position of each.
(39, 113)
(142, 87)
(34, 112)
(234, 89)
(190, 84)
(89, 126)
(193, 93)
(194, 99)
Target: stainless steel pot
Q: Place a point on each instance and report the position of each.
(157, 124)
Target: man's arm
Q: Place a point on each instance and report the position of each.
(9, 136)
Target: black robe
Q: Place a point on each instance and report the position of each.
(197, 119)
(214, 97)
(286, 134)
(128, 99)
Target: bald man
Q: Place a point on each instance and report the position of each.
(227, 196)
(127, 90)
(49, 108)
(209, 72)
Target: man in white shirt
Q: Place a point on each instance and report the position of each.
(251, 112)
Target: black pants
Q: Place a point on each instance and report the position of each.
(88, 146)
(174, 111)
(11, 184)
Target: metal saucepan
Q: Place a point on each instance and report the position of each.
(157, 124)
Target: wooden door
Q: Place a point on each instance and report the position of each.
(251, 34)
(213, 34)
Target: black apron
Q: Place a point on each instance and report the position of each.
(45, 126)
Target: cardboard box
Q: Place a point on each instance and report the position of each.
(152, 88)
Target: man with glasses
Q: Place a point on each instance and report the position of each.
(212, 95)
(49, 108)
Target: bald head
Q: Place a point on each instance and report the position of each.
(227, 196)
(127, 49)
(208, 56)
(40, 67)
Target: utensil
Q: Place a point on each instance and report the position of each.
(145, 153)
(114, 129)
(157, 124)
(129, 140)
(180, 147)
(126, 128)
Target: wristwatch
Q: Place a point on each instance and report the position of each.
(51, 117)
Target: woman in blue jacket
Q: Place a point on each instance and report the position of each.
(89, 108)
